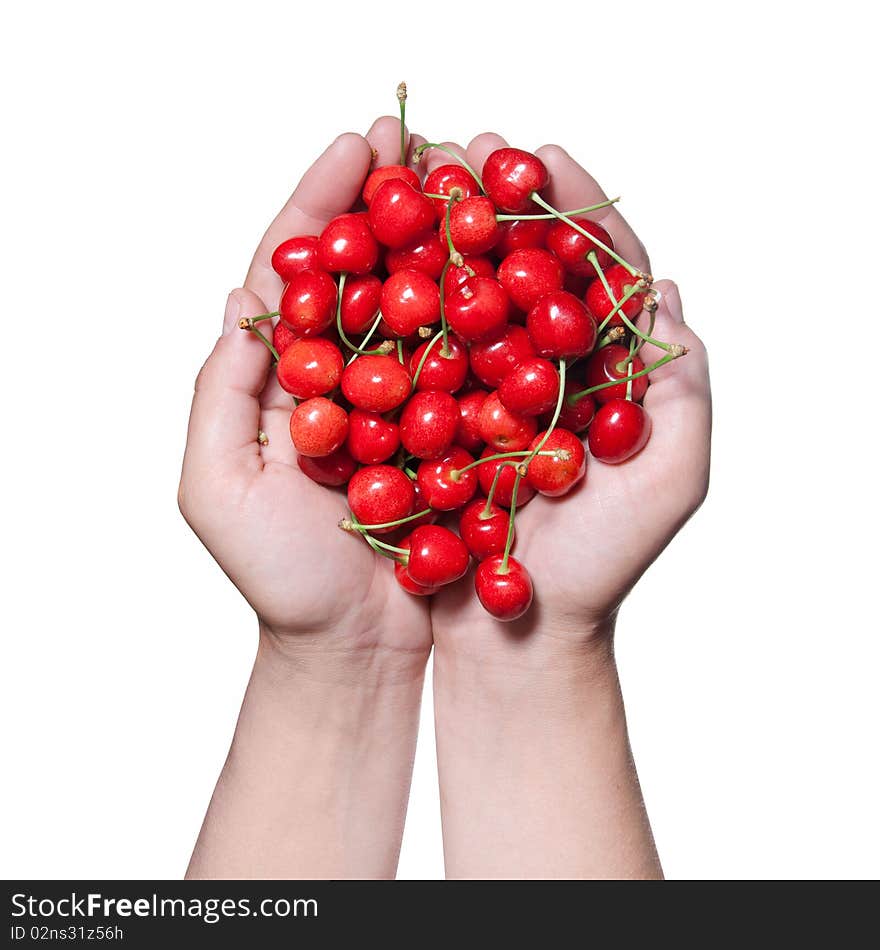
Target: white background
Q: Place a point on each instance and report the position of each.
(146, 148)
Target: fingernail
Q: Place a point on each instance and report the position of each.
(233, 310)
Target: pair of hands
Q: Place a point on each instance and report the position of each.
(273, 530)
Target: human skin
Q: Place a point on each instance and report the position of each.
(536, 775)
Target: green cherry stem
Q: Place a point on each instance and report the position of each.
(549, 217)
(524, 465)
(487, 511)
(592, 237)
(351, 524)
(456, 473)
(503, 567)
(428, 349)
(247, 323)
(359, 350)
(612, 336)
(367, 338)
(266, 342)
(455, 155)
(401, 98)
(676, 352)
(629, 382)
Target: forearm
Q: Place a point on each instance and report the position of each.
(317, 778)
(536, 775)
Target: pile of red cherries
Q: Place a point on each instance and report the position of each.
(447, 346)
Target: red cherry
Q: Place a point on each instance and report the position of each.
(310, 367)
(576, 417)
(410, 299)
(436, 556)
(399, 213)
(469, 406)
(378, 494)
(439, 490)
(429, 516)
(428, 424)
(518, 235)
(360, 303)
(572, 248)
(318, 427)
(332, 470)
(427, 253)
(282, 337)
(347, 244)
(446, 177)
(473, 225)
(506, 480)
(406, 582)
(556, 476)
(308, 302)
(379, 176)
(529, 274)
(456, 276)
(371, 439)
(376, 383)
(492, 361)
(441, 372)
(484, 536)
(506, 596)
(510, 176)
(478, 310)
(621, 428)
(606, 365)
(503, 430)
(619, 280)
(530, 389)
(560, 326)
(294, 255)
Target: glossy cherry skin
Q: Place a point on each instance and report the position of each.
(456, 276)
(530, 389)
(399, 213)
(378, 494)
(577, 417)
(492, 361)
(503, 430)
(332, 470)
(506, 596)
(478, 310)
(446, 177)
(561, 327)
(371, 439)
(473, 225)
(318, 427)
(379, 176)
(620, 430)
(484, 536)
(347, 244)
(310, 367)
(597, 300)
(360, 303)
(409, 300)
(504, 489)
(427, 253)
(519, 235)
(436, 556)
(376, 383)
(556, 476)
(442, 372)
(469, 406)
(402, 577)
(572, 248)
(527, 275)
(510, 176)
(308, 302)
(605, 365)
(428, 424)
(437, 486)
(282, 337)
(294, 255)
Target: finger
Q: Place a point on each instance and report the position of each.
(330, 187)
(384, 139)
(571, 186)
(435, 157)
(225, 417)
(481, 148)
